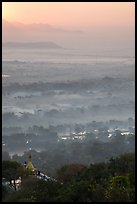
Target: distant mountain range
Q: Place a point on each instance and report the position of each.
(37, 32)
(31, 45)
(34, 26)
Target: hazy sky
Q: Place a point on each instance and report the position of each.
(71, 13)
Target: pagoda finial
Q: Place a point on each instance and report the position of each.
(30, 166)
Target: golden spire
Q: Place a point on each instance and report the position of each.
(30, 165)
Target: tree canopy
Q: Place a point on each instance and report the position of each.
(103, 182)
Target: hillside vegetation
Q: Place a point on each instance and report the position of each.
(113, 181)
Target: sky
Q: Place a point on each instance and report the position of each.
(71, 13)
(103, 25)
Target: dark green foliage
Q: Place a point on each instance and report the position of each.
(34, 190)
(11, 170)
(119, 189)
(102, 182)
(67, 172)
(122, 164)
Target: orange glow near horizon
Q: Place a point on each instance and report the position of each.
(71, 13)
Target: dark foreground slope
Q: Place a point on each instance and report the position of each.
(113, 181)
